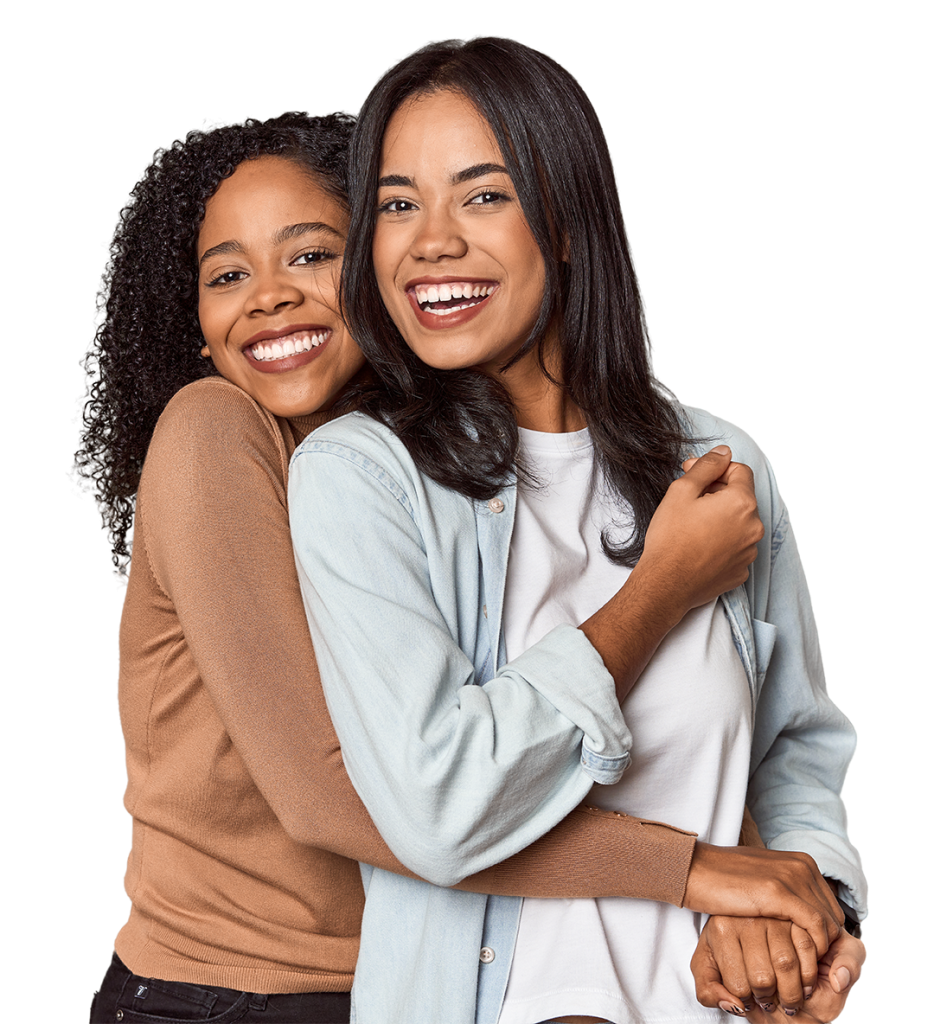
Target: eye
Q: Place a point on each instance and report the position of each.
(488, 197)
(397, 206)
(227, 277)
(314, 256)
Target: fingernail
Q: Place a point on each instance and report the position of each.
(730, 1008)
(721, 449)
(768, 1007)
(807, 991)
(843, 978)
(789, 1013)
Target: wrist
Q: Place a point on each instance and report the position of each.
(851, 922)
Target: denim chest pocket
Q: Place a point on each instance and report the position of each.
(764, 635)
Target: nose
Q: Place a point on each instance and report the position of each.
(272, 290)
(438, 235)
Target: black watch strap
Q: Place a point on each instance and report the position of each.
(850, 920)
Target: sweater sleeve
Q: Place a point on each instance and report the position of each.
(216, 535)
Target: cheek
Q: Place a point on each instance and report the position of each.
(211, 317)
(384, 265)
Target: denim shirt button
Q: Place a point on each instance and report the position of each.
(496, 505)
(487, 955)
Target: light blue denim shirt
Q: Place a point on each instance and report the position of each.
(464, 759)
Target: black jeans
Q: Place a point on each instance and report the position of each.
(128, 998)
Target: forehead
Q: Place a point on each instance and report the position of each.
(438, 131)
(263, 195)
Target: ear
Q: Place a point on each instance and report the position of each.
(205, 351)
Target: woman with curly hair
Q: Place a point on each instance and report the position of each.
(222, 346)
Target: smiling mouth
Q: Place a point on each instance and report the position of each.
(289, 345)
(451, 297)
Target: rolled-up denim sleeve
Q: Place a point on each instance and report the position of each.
(457, 776)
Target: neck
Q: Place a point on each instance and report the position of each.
(540, 403)
(551, 411)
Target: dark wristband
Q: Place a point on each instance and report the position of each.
(850, 920)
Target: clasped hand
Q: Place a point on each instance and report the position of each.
(767, 970)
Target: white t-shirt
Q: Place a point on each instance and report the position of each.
(691, 719)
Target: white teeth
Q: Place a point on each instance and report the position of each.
(293, 344)
(451, 309)
(445, 292)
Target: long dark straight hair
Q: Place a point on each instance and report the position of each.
(459, 425)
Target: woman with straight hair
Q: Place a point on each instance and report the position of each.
(541, 600)
(222, 346)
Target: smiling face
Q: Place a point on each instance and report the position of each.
(457, 265)
(269, 253)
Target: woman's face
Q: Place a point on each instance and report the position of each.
(456, 262)
(269, 254)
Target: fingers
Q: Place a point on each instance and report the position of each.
(806, 952)
(760, 969)
(708, 985)
(789, 987)
(759, 963)
(730, 984)
(703, 471)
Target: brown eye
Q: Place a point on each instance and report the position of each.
(315, 256)
(397, 206)
(487, 198)
(228, 277)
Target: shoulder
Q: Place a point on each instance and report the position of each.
(354, 431)
(216, 431)
(357, 441)
(212, 406)
(709, 429)
(355, 459)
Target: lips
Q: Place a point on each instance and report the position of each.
(275, 351)
(448, 302)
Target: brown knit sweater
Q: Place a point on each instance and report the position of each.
(246, 828)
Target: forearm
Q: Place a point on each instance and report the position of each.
(593, 853)
(628, 629)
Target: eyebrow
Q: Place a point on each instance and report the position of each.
(458, 178)
(282, 235)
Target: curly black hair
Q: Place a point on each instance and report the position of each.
(148, 346)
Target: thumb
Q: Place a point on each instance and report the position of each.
(702, 472)
(848, 954)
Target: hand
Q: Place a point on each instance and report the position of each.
(719, 483)
(742, 881)
(703, 536)
(735, 958)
